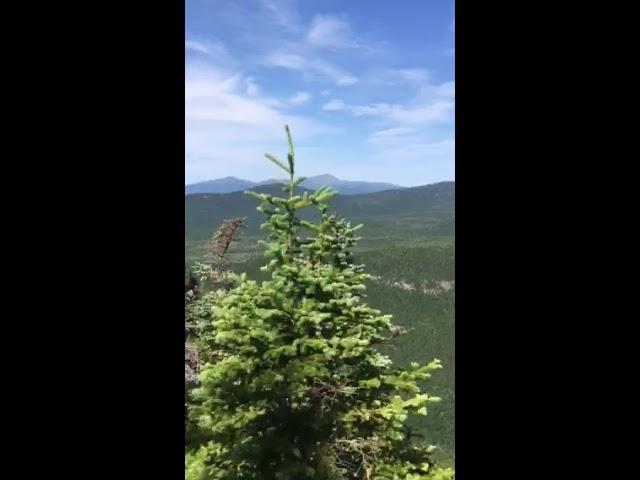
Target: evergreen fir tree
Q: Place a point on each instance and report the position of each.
(298, 390)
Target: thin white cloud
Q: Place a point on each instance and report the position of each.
(334, 105)
(439, 111)
(300, 98)
(412, 75)
(334, 33)
(430, 93)
(312, 66)
(391, 132)
(324, 93)
(286, 60)
(431, 103)
(272, 102)
(210, 48)
(445, 90)
(227, 129)
(217, 97)
(252, 88)
(209, 51)
(283, 14)
(196, 46)
(329, 31)
(420, 80)
(442, 149)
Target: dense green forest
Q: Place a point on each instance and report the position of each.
(398, 217)
(406, 246)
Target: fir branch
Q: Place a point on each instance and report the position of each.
(277, 162)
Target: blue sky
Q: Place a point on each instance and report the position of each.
(367, 88)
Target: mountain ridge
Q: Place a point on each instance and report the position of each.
(204, 211)
(232, 184)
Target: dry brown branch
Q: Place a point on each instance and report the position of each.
(215, 249)
(227, 233)
(363, 450)
(190, 365)
(395, 333)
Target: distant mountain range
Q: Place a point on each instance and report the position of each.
(203, 212)
(344, 187)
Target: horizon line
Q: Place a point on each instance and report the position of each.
(275, 180)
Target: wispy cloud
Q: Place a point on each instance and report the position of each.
(439, 111)
(390, 133)
(209, 51)
(431, 103)
(252, 88)
(405, 151)
(217, 97)
(196, 46)
(300, 98)
(412, 75)
(229, 125)
(420, 81)
(283, 14)
(206, 47)
(334, 105)
(334, 33)
(314, 67)
(443, 91)
(329, 31)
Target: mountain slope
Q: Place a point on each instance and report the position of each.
(204, 212)
(345, 187)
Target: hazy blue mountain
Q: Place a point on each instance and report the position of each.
(219, 185)
(345, 187)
